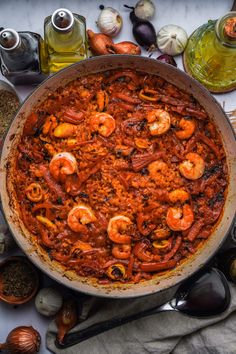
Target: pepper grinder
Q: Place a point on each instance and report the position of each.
(65, 39)
(20, 56)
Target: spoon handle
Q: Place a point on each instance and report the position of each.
(234, 6)
(97, 328)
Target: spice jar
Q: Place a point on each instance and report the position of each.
(210, 55)
(9, 103)
(65, 40)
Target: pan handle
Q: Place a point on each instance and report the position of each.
(234, 6)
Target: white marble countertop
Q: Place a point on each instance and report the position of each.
(29, 15)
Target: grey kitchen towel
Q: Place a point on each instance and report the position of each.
(164, 333)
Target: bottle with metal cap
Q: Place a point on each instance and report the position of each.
(20, 56)
(65, 39)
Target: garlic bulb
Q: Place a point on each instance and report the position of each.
(48, 302)
(144, 9)
(172, 39)
(109, 21)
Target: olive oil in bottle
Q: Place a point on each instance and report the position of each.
(227, 263)
(65, 39)
(20, 56)
(210, 55)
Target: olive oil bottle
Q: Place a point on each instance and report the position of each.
(20, 54)
(64, 40)
(210, 55)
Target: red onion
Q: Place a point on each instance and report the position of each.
(168, 59)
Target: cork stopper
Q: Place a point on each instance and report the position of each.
(230, 28)
(9, 39)
(62, 20)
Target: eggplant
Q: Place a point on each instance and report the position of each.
(143, 31)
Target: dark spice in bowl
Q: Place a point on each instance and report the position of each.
(18, 280)
(9, 103)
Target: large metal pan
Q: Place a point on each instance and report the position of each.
(96, 65)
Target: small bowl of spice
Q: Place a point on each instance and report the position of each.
(19, 280)
(9, 103)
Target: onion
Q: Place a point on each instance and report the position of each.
(22, 340)
(124, 48)
(98, 42)
(168, 59)
(144, 9)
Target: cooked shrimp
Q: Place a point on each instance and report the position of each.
(192, 168)
(180, 219)
(103, 123)
(122, 251)
(62, 164)
(178, 195)
(157, 166)
(65, 130)
(187, 129)
(102, 100)
(159, 121)
(117, 227)
(79, 216)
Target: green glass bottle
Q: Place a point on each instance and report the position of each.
(210, 55)
(65, 40)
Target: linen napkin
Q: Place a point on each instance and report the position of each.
(163, 333)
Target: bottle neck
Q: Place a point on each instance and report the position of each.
(9, 40)
(62, 20)
(225, 29)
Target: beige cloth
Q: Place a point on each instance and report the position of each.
(164, 333)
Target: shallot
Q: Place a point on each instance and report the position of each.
(98, 42)
(125, 47)
(66, 319)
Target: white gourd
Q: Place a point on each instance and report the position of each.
(172, 39)
(48, 301)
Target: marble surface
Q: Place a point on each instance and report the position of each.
(30, 14)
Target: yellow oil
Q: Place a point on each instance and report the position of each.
(210, 61)
(63, 49)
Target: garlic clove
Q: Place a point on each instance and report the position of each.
(109, 21)
(48, 301)
(144, 9)
(172, 39)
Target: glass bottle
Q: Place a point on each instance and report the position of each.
(20, 56)
(210, 55)
(65, 39)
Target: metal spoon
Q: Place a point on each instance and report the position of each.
(205, 294)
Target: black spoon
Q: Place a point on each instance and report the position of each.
(205, 294)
